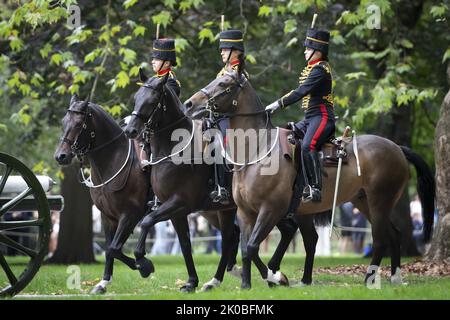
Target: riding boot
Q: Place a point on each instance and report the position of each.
(314, 175)
(220, 193)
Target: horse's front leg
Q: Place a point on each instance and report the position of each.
(100, 287)
(181, 226)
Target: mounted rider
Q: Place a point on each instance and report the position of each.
(315, 91)
(163, 59)
(231, 46)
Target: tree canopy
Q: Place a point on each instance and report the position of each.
(393, 63)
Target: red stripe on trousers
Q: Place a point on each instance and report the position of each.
(319, 131)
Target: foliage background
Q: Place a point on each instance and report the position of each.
(384, 79)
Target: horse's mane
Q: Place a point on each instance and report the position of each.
(99, 110)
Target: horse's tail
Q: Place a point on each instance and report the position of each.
(322, 219)
(426, 188)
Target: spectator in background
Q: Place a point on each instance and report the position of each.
(415, 207)
(358, 221)
(53, 243)
(164, 239)
(345, 242)
(96, 229)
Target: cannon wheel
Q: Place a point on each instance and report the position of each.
(18, 280)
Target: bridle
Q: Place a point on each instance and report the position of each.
(233, 90)
(79, 146)
(82, 144)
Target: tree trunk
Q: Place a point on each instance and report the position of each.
(75, 235)
(440, 244)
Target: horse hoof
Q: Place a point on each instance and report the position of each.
(145, 267)
(236, 272)
(187, 288)
(246, 286)
(214, 283)
(277, 279)
(207, 287)
(98, 290)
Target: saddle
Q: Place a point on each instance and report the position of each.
(290, 141)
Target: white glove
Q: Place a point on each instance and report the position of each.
(126, 120)
(273, 106)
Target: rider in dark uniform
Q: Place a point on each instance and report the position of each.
(231, 46)
(315, 91)
(164, 58)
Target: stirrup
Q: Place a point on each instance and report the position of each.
(154, 204)
(311, 194)
(220, 195)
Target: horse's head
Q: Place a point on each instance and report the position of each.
(219, 97)
(146, 102)
(77, 135)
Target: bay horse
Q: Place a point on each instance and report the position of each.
(183, 188)
(263, 200)
(118, 185)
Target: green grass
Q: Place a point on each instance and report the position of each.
(127, 284)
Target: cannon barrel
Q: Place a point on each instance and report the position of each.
(16, 184)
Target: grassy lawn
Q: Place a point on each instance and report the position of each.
(170, 271)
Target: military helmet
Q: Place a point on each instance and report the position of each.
(231, 39)
(164, 49)
(318, 40)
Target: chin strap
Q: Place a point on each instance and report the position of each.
(229, 56)
(162, 65)
(311, 55)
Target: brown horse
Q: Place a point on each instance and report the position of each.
(263, 199)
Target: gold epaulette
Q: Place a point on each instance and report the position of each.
(173, 76)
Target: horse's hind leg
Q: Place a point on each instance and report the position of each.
(181, 226)
(394, 237)
(379, 213)
(310, 237)
(287, 228)
(100, 287)
(232, 267)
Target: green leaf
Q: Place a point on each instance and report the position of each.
(406, 43)
(56, 58)
(446, 55)
(134, 71)
(90, 57)
(206, 33)
(290, 26)
(16, 43)
(250, 58)
(129, 3)
(115, 30)
(438, 11)
(355, 75)
(180, 44)
(292, 42)
(139, 31)
(123, 41)
(129, 56)
(45, 50)
(61, 89)
(122, 79)
(264, 11)
(163, 18)
(170, 3)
